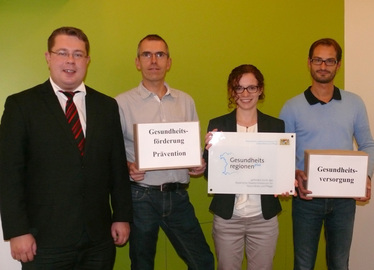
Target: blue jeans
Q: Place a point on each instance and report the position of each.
(338, 216)
(173, 212)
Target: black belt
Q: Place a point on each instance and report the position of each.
(164, 187)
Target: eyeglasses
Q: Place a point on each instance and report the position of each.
(250, 89)
(158, 55)
(64, 54)
(328, 62)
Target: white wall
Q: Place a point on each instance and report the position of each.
(359, 75)
(6, 261)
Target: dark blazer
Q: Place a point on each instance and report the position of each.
(223, 204)
(46, 188)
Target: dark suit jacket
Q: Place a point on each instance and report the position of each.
(223, 204)
(46, 188)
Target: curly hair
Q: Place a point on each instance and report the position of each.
(234, 78)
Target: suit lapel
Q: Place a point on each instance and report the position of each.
(230, 124)
(263, 122)
(51, 101)
(91, 110)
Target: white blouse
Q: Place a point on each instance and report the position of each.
(247, 205)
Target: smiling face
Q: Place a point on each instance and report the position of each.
(67, 70)
(246, 100)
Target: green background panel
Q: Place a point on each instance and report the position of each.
(207, 39)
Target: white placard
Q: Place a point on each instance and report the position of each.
(336, 173)
(252, 163)
(167, 145)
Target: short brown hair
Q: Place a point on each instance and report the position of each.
(235, 76)
(69, 31)
(153, 37)
(326, 42)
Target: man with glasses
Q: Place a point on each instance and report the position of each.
(160, 197)
(62, 167)
(325, 117)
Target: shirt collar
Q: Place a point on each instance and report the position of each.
(313, 100)
(81, 88)
(145, 93)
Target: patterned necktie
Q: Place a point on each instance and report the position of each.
(72, 116)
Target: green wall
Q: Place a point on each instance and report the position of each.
(207, 39)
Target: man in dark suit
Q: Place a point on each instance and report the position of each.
(58, 188)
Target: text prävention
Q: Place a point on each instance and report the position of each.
(167, 145)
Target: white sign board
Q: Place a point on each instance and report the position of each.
(336, 173)
(167, 145)
(252, 163)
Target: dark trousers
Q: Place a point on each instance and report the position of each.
(85, 255)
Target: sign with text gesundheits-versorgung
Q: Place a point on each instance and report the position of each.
(336, 173)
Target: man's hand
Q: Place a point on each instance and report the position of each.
(120, 232)
(300, 183)
(23, 248)
(134, 172)
(198, 170)
(368, 191)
